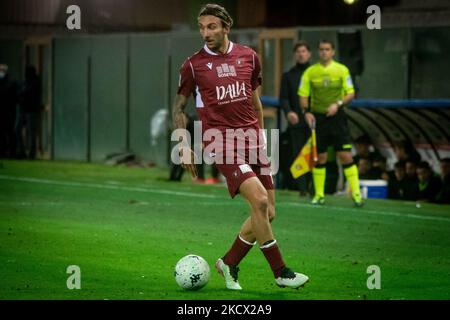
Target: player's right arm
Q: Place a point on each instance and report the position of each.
(179, 119)
(178, 115)
(186, 87)
(304, 91)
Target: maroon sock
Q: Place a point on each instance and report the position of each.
(237, 252)
(273, 256)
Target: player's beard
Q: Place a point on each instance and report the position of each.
(215, 44)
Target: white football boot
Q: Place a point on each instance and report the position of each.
(230, 273)
(291, 279)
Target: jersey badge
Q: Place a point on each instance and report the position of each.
(225, 70)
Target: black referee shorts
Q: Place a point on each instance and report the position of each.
(333, 131)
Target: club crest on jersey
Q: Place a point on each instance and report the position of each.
(225, 70)
(209, 65)
(231, 91)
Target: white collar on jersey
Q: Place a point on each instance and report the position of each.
(230, 47)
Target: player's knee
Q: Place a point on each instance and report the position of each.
(261, 204)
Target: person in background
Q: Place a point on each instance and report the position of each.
(399, 186)
(297, 130)
(379, 167)
(325, 88)
(444, 194)
(365, 169)
(404, 150)
(429, 183)
(29, 114)
(8, 103)
(411, 171)
(364, 149)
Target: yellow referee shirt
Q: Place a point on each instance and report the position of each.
(325, 85)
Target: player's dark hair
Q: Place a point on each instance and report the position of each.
(445, 160)
(301, 43)
(326, 41)
(212, 9)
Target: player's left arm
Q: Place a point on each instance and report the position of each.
(347, 85)
(255, 82)
(257, 106)
(348, 98)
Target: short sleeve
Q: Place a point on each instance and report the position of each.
(347, 83)
(186, 82)
(304, 87)
(256, 73)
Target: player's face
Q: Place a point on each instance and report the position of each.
(212, 32)
(326, 52)
(302, 55)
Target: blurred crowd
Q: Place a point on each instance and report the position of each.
(411, 179)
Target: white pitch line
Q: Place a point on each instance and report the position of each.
(104, 186)
(365, 210)
(202, 195)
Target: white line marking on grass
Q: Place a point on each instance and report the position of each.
(29, 204)
(364, 210)
(209, 196)
(111, 187)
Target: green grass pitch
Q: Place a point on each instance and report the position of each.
(127, 227)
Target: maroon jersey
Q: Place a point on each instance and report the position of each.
(222, 85)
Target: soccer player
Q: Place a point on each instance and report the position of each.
(224, 78)
(330, 87)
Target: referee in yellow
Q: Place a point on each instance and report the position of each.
(330, 87)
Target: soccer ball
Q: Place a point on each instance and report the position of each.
(192, 272)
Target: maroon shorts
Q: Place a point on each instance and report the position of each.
(235, 174)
